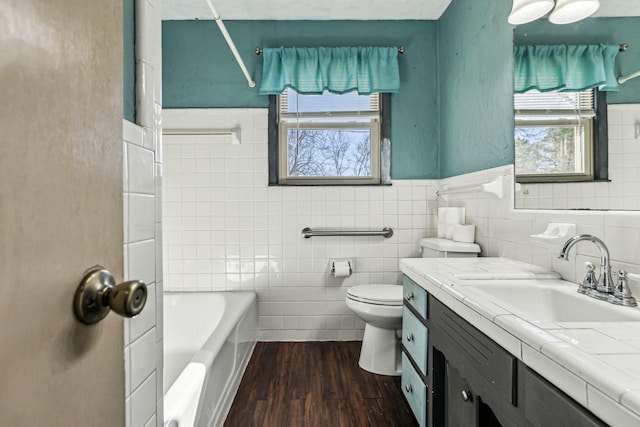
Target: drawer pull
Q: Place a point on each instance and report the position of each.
(408, 388)
(409, 296)
(466, 395)
(409, 337)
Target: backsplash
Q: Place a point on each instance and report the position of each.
(504, 231)
(624, 157)
(226, 229)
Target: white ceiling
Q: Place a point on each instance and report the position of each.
(340, 9)
(305, 9)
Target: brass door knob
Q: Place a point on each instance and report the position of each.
(98, 293)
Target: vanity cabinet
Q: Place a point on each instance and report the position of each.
(454, 375)
(546, 405)
(477, 378)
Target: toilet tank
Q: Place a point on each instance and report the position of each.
(443, 248)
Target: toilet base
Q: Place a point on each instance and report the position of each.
(381, 352)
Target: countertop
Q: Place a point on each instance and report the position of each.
(596, 363)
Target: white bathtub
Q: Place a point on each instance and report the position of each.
(208, 340)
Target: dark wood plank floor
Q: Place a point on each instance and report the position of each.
(309, 384)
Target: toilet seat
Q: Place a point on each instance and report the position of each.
(390, 295)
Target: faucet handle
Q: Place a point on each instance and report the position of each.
(621, 292)
(590, 281)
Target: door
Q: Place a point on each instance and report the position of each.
(60, 209)
(461, 410)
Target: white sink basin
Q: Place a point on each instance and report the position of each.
(556, 301)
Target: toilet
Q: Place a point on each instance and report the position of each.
(380, 307)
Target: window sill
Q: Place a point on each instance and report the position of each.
(577, 181)
(329, 185)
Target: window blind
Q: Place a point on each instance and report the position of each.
(550, 103)
(291, 102)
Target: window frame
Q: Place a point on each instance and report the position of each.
(277, 150)
(595, 148)
(586, 152)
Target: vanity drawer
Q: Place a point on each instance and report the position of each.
(415, 296)
(414, 390)
(415, 338)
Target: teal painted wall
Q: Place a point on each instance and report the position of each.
(199, 71)
(129, 60)
(475, 62)
(594, 31)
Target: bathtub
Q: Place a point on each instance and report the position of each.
(208, 340)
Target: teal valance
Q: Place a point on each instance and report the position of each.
(312, 70)
(565, 68)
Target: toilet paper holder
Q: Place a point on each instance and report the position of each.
(332, 263)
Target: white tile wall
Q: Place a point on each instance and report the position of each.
(226, 229)
(143, 227)
(142, 261)
(504, 231)
(624, 157)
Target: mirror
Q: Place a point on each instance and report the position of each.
(622, 190)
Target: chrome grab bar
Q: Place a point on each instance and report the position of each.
(385, 232)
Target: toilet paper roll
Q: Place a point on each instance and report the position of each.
(464, 233)
(451, 215)
(442, 230)
(341, 269)
(449, 230)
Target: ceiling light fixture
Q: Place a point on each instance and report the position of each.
(524, 11)
(569, 11)
(564, 12)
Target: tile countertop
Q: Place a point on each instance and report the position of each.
(596, 363)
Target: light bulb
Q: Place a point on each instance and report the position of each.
(569, 11)
(524, 11)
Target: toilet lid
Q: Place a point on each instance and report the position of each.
(376, 294)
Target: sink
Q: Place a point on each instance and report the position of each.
(555, 301)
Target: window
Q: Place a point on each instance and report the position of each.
(560, 136)
(326, 139)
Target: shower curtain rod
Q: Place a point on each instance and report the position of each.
(624, 79)
(232, 46)
(401, 50)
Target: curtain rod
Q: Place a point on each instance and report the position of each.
(232, 45)
(401, 50)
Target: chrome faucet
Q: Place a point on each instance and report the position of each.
(604, 284)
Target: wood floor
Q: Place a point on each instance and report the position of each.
(309, 384)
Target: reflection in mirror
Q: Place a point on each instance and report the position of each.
(621, 189)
